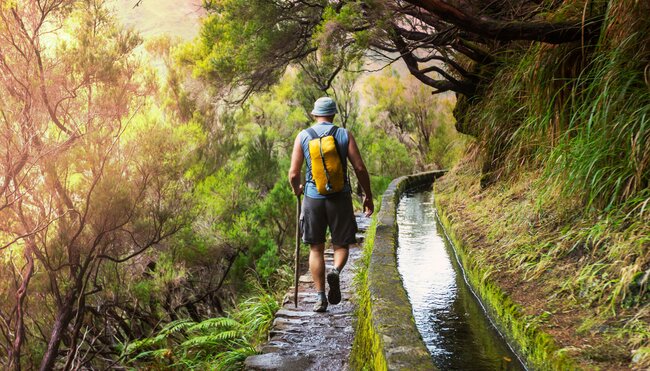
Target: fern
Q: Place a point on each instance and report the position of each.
(177, 326)
(155, 354)
(141, 344)
(211, 340)
(220, 343)
(215, 323)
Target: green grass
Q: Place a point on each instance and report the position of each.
(575, 118)
(587, 271)
(580, 113)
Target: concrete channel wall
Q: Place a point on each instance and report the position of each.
(389, 338)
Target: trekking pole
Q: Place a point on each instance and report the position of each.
(297, 263)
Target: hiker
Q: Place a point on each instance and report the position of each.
(328, 198)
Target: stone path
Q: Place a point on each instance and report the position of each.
(301, 339)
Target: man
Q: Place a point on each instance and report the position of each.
(332, 210)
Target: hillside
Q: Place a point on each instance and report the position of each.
(552, 195)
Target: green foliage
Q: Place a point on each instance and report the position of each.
(565, 131)
(408, 118)
(193, 192)
(239, 38)
(579, 113)
(384, 155)
(257, 313)
(222, 342)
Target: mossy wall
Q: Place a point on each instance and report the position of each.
(386, 335)
(537, 349)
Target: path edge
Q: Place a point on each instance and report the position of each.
(386, 337)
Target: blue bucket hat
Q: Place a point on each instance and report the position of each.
(324, 106)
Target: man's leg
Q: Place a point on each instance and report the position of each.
(340, 256)
(317, 266)
(343, 225)
(317, 269)
(314, 226)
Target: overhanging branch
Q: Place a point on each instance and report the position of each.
(549, 32)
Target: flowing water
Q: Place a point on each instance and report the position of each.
(452, 322)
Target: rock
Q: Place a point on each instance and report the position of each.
(281, 321)
(294, 313)
(275, 361)
(275, 346)
(363, 222)
(306, 297)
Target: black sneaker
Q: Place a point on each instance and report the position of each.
(321, 305)
(334, 295)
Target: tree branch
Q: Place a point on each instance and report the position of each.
(549, 32)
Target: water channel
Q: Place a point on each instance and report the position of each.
(452, 322)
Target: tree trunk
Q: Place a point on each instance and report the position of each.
(63, 318)
(20, 318)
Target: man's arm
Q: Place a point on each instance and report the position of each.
(362, 174)
(296, 165)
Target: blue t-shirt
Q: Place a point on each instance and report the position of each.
(341, 137)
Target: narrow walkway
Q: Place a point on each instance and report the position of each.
(301, 339)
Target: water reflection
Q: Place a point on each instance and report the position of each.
(451, 321)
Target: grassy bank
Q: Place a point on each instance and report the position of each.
(537, 348)
(561, 279)
(551, 199)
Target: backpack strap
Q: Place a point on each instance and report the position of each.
(332, 131)
(312, 133)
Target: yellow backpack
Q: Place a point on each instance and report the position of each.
(327, 166)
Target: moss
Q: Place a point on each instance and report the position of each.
(386, 335)
(537, 348)
(366, 353)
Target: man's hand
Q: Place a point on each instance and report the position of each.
(297, 191)
(362, 174)
(368, 206)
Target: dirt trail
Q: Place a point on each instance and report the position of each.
(301, 339)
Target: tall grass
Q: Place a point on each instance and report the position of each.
(577, 117)
(605, 152)
(582, 112)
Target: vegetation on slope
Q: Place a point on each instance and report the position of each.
(554, 193)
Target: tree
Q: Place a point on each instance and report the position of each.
(79, 194)
(443, 43)
(404, 108)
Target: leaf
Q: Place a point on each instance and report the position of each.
(215, 323)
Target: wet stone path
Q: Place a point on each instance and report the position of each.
(301, 339)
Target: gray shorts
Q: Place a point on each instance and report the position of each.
(336, 212)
